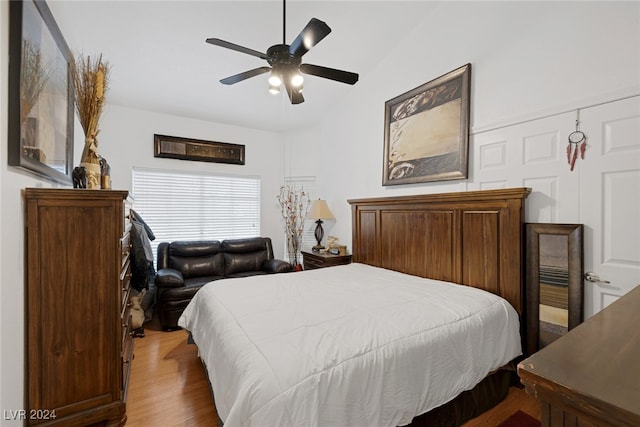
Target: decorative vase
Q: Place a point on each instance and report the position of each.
(91, 162)
(93, 175)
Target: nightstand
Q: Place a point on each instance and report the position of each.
(314, 260)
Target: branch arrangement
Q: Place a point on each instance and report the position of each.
(294, 206)
(90, 78)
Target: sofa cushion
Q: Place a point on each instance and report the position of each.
(200, 281)
(196, 259)
(251, 244)
(168, 277)
(186, 292)
(245, 274)
(243, 262)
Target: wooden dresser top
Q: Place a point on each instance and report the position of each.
(595, 367)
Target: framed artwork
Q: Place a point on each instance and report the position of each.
(554, 281)
(41, 95)
(196, 149)
(427, 131)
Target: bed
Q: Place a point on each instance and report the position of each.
(390, 340)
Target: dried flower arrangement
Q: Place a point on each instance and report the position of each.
(294, 205)
(90, 78)
(35, 75)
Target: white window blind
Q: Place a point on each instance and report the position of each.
(181, 205)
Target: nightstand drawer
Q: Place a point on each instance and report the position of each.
(313, 260)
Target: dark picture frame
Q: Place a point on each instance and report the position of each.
(41, 98)
(554, 281)
(427, 131)
(174, 147)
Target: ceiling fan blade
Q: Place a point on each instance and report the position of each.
(295, 94)
(310, 35)
(236, 47)
(329, 73)
(243, 76)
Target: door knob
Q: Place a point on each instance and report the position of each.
(594, 278)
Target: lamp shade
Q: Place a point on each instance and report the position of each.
(319, 210)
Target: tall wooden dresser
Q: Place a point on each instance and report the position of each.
(79, 347)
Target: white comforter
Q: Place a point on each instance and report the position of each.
(345, 346)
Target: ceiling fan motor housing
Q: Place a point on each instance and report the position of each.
(279, 54)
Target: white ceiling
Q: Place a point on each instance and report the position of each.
(160, 61)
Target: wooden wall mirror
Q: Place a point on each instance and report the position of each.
(554, 283)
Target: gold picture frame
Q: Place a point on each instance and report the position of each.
(427, 131)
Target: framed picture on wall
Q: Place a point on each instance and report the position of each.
(427, 131)
(41, 100)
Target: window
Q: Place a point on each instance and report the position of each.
(180, 205)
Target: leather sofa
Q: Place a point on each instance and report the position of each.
(183, 267)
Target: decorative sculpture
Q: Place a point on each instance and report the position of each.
(79, 177)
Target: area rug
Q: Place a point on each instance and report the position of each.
(520, 419)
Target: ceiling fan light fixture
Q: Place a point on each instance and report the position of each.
(275, 80)
(297, 80)
(285, 61)
(274, 89)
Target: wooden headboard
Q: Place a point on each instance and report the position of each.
(473, 238)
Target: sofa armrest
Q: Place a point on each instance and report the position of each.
(169, 278)
(277, 266)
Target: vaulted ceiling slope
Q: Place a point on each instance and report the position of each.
(160, 61)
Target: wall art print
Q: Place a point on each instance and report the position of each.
(174, 147)
(40, 128)
(427, 131)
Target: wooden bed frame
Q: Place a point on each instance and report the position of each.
(472, 238)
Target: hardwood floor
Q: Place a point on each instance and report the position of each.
(168, 386)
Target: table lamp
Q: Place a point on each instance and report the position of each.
(319, 211)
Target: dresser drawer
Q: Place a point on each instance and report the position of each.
(125, 286)
(127, 354)
(127, 333)
(125, 248)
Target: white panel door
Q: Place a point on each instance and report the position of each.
(610, 200)
(530, 154)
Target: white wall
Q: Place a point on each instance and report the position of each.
(12, 181)
(529, 59)
(126, 141)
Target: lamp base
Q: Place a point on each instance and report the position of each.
(319, 233)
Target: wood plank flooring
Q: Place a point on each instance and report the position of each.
(168, 386)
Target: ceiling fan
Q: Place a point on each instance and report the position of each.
(285, 61)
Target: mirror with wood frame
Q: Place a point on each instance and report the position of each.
(554, 282)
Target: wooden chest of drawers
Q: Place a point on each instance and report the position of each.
(78, 282)
(589, 377)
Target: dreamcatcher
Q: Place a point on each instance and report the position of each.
(577, 143)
